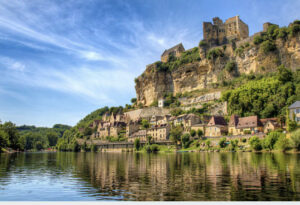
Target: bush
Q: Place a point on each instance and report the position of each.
(200, 133)
(185, 140)
(222, 142)
(257, 40)
(208, 142)
(255, 143)
(271, 139)
(202, 43)
(295, 137)
(234, 144)
(230, 66)
(137, 144)
(154, 148)
(283, 143)
(215, 53)
(267, 46)
(239, 51)
(244, 140)
(193, 133)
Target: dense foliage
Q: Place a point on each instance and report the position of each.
(173, 63)
(265, 97)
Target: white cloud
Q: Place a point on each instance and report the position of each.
(12, 64)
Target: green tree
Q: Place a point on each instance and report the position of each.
(222, 142)
(75, 146)
(133, 100)
(38, 146)
(137, 144)
(185, 140)
(175, 133)
(145, 124)
(52, 138)
(271, 139)
(283, 143)
(200, 133)
(295, 137)
(208, 143)
(12, 133)
(4, 139)
(255, 143)
(284, 74)
(193, 133)
(234, 144)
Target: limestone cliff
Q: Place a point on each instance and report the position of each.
(210, 67)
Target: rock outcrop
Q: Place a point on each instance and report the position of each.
(154, 84)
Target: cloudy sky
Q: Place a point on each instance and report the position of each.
(60, 60)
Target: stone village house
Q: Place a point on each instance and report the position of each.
(216, 127)
(174, 51)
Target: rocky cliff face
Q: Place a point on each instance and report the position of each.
(153, 84)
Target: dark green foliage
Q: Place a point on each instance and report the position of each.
(230, 66)
(244, 140)
(173, 63)
(185, 140)
(203, 43)
(284, 74)
(93, 148)
(214, 53)
(193, 133)
(145, 124)
(4, 139)
(265, 97)
(200, 133)
(295, 137)
(257, 40)
(208, 142)
(52, 138)
(222, 142)
(133, 100)
(234, 144)
(239, 51)
(255, 143)
(151, 148)
(87, 131)
(75, 146)
(175, 133)
(267, 46)
(137, 144)
(176, 111)
(12, 134)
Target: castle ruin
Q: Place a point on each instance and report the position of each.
(218, 33)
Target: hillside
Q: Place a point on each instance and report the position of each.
(203, 68)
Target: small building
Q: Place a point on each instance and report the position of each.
(159, 132)
(232, 125)
(250, 124)
(294, 112)
(216, 127)
(270, 124)
(174, 51)
(161, 102)
(140, 134)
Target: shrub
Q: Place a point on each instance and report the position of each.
(199, 133)
(185, 140)
(222, 142)
(230, 66)
(271, 139)
(208, 142)
(193, 133)
(93, 148)
(255, 143)
(215, 53)
(137, 144)
(267, 46)
(234, 144)
(295, 137)
(202, 43)
(154, 148)
(283, 143)
(257, 40)
(239, 51)
(244, 140)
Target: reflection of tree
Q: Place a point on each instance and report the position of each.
(182, 176)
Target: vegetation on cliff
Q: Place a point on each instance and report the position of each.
(267, 96)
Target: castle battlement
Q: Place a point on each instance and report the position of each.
(218, 33)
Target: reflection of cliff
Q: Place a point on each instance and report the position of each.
(190, 176)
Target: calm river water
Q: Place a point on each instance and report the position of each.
(132, 176)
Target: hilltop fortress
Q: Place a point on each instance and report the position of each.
(203, 67)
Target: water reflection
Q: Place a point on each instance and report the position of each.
(136, 176)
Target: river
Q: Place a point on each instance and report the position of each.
(136, 176)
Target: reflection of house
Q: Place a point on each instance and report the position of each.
(270, 124)
(249, 124)
(174, 51)
(217, 126)
(294, 111)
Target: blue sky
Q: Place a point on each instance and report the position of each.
(61, 60)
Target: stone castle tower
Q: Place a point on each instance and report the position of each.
(218, 33)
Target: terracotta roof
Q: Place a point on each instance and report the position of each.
(166, 52)
(217, 120)
(234, 119)
(248, 122)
